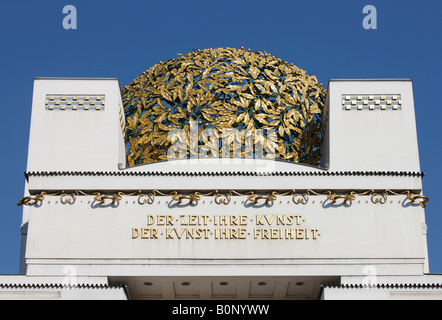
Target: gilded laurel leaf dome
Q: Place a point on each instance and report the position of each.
(228, 93)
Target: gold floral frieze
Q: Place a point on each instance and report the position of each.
(297, 197)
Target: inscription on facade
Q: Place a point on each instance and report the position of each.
(225, 226)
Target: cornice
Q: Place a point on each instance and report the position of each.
(57, 286)
(227, 173)
(387, 286)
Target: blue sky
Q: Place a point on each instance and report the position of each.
(123, 38)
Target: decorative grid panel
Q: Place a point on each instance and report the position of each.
(77, 102)
(371, 102)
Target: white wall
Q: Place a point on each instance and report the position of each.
(372, 140)
(75, 140)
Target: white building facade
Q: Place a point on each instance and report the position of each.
(217, 228)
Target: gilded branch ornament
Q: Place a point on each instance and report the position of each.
(212, 92)
(298, 197)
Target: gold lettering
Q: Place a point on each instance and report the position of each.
(299, 234)
(179, 235)
(225, 231)
(193, 220)
(259, 220)
(190, 233)
(184, 221)
(169, 233)
(274, 233)
(160, 220)
(222, 220)
(200, 233)
(315, 233)
(271, 220)
(289, 233)
(221, 234)
(205, 217)
(135, 233)
(149, 233)
(290, 219)
(265, 234)
(150, 220)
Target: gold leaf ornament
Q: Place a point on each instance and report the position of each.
(221, 89)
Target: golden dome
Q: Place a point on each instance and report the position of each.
(215, 91)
